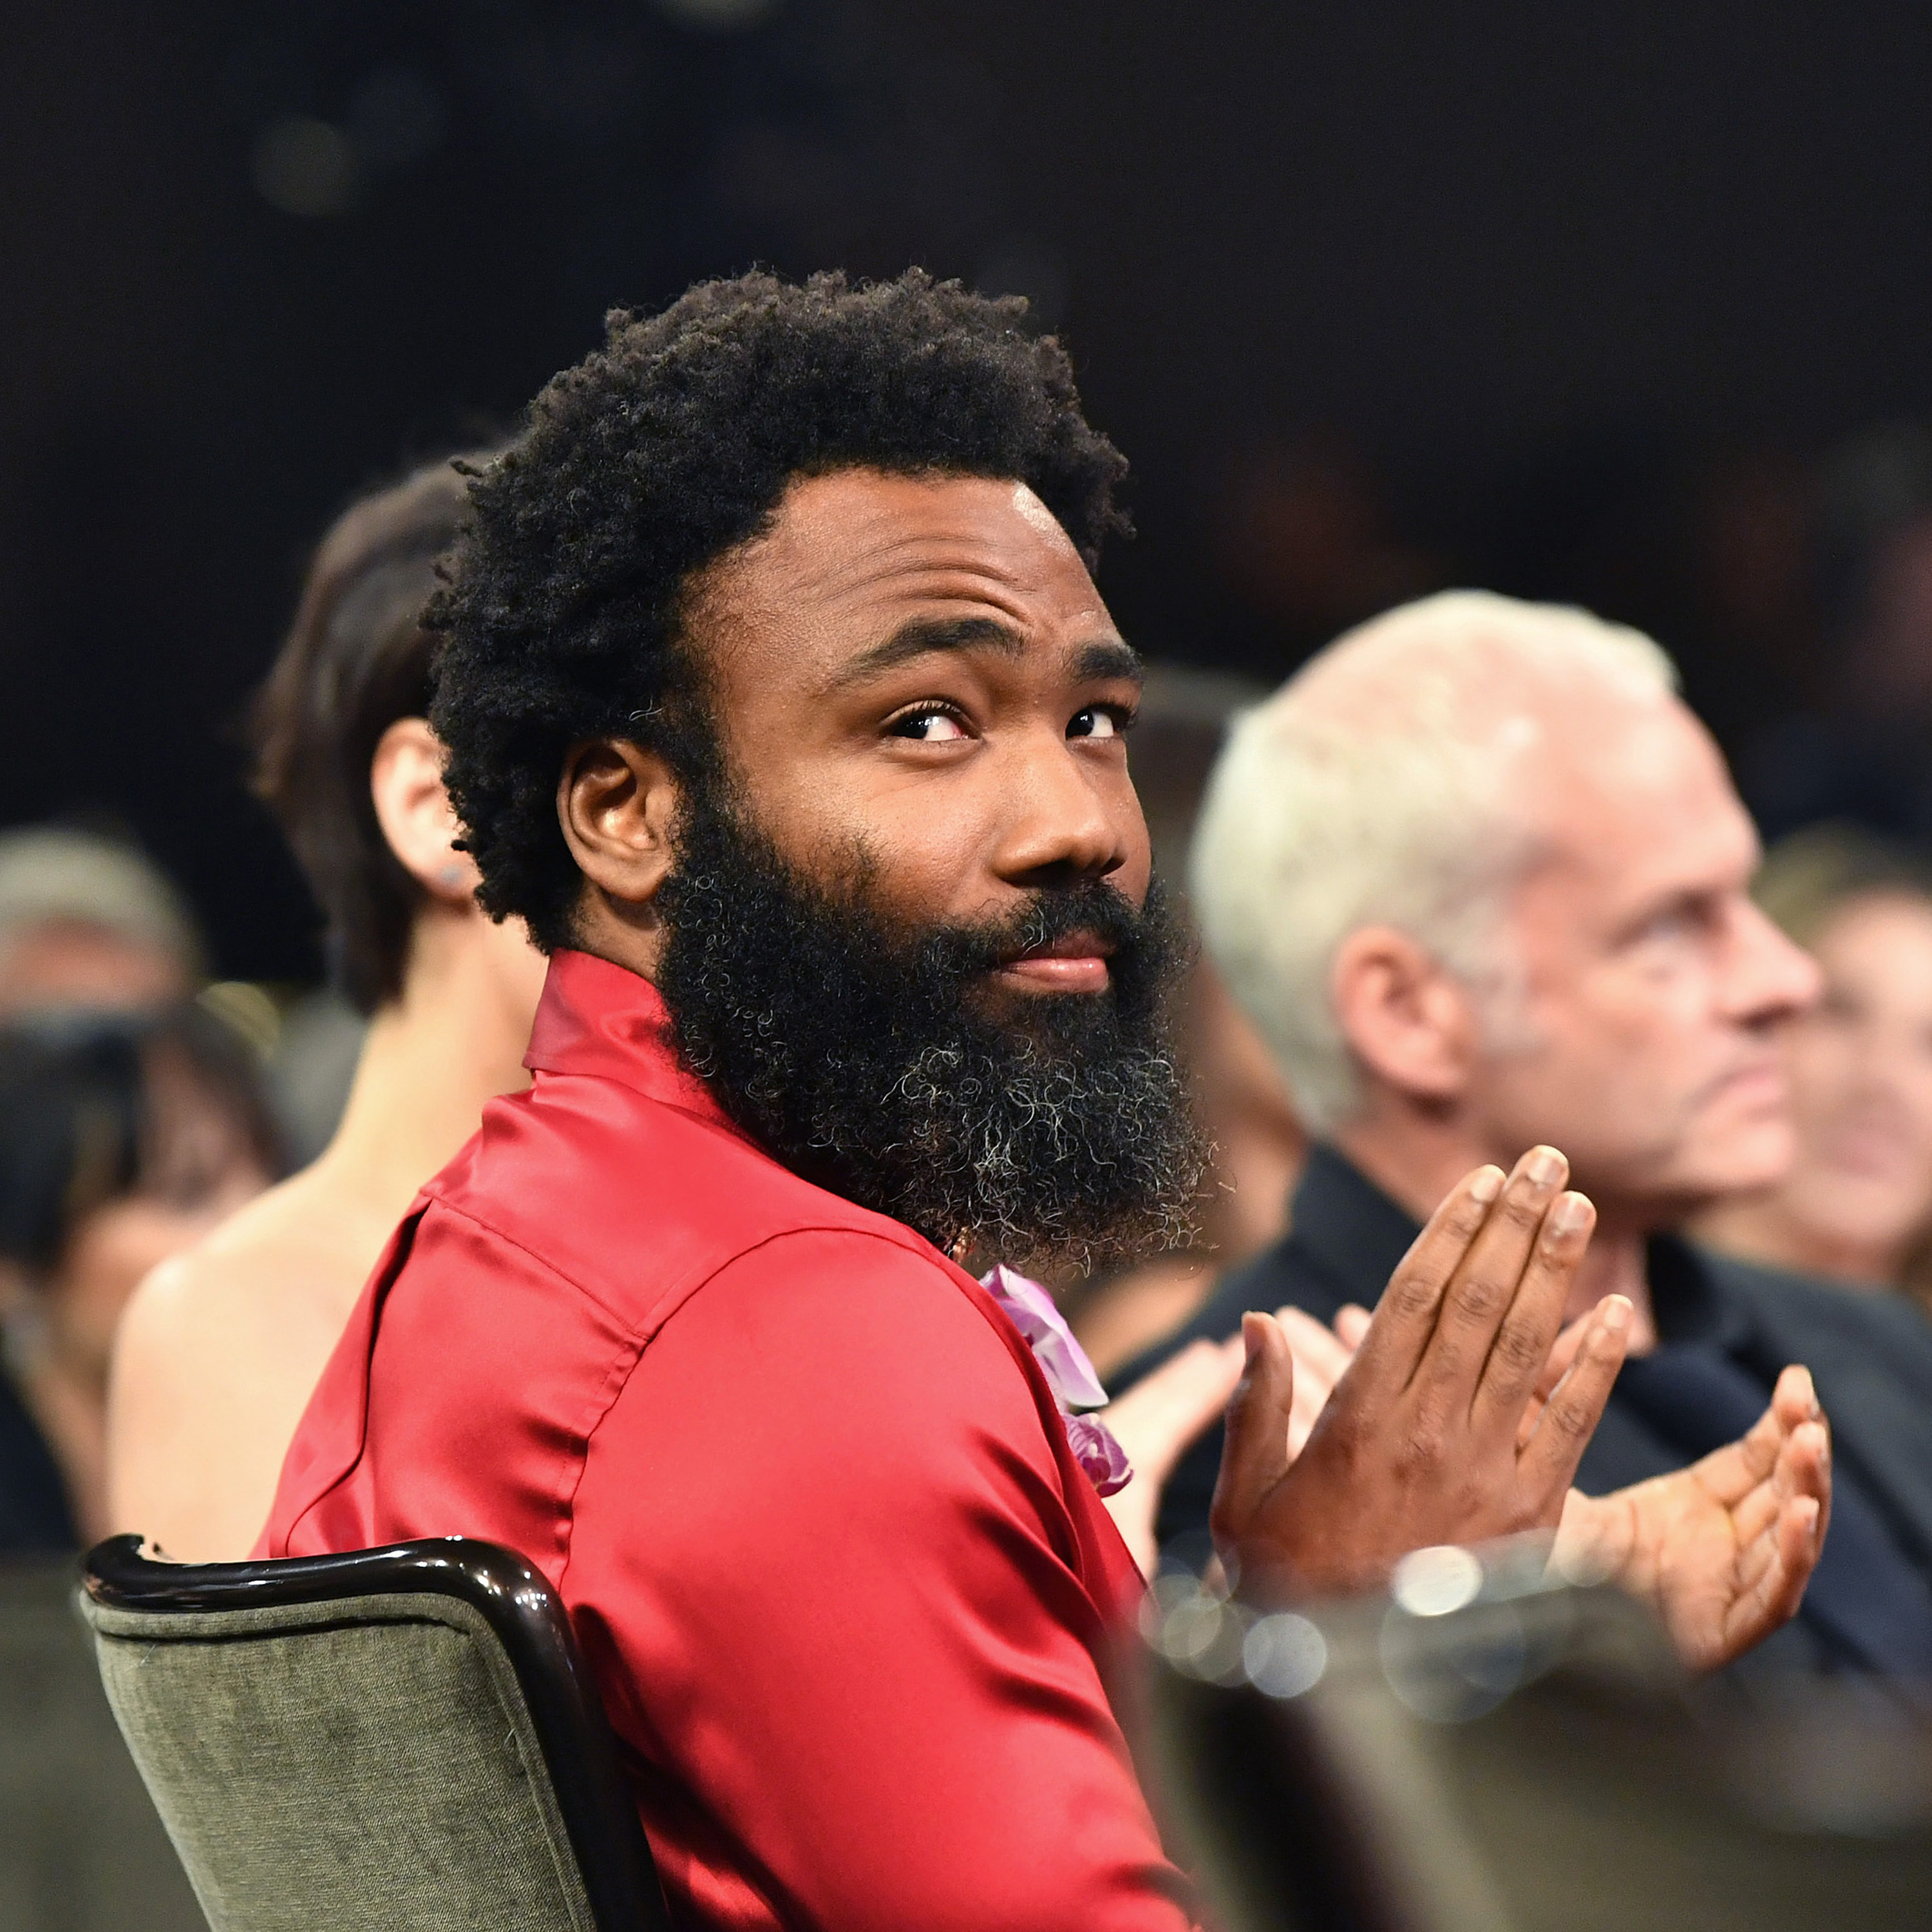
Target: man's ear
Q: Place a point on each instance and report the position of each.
(413, 810)
(618, 805)
(1412, 1025)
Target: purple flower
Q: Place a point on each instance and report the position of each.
(1063, 1362)
(1068, 1374)
(1098, 1452)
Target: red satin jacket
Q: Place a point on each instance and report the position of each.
(804, 1491)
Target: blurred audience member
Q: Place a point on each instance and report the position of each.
(1304, 543)
(123, 1138)
(1238, 1093)
(1754, 590)
(1856, 1206)
(1481, 880)
(89, 921)
(1863, 751)
(222, 1348)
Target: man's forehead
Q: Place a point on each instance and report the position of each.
(1639, 799)
(863, 536)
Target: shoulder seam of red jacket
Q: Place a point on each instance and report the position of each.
(641, 1342)
(640, 1328)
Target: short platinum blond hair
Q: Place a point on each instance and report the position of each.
(1380, 785)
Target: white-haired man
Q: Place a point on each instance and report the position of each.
(1480, 877)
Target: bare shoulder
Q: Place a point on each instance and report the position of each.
(301, 1251)
(216, 1357)
(257, 1305)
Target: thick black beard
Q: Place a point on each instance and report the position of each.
(850, 1049)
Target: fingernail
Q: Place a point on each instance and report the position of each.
(1616, 1314)
(1251, 1339)
(1485, 1184)
(1542, 1165)
(1569, 1213)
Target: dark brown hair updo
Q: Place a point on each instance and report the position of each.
(357, 658)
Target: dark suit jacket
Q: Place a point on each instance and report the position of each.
(1871, 1354)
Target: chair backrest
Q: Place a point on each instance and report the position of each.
(404, 1738)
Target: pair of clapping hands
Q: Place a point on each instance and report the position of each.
(1457, 1413)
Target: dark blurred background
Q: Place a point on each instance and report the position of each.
(1629, 306)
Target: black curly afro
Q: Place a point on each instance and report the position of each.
(669, 446)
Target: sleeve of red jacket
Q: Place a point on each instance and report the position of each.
(831, 1549)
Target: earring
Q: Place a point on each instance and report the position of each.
(451, 875)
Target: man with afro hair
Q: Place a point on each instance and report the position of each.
(781, 706)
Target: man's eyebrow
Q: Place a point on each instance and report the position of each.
(1113, 657)
(1104, 658)
(919, 637)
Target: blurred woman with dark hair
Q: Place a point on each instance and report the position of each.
(221, 1348)
(1856, 1206)
(124, 1139)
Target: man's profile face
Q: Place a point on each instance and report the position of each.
(918, 674)
(1653, 991)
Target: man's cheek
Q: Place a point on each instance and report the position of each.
(919, 881)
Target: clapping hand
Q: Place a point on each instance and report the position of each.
(1156, 1421)
(1166, 1412)
(1722, 1550)
(1423, 1439)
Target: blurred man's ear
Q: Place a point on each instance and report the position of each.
(412, 808)
(1413, 1027)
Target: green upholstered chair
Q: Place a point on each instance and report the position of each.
(403, 1738)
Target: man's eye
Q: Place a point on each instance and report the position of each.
(1681, 925)
(1097, 721)
(928, 728)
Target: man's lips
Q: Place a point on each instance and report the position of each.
(1762, 1083)
(1076, 962)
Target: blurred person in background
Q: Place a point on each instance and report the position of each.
(1304, 543)
(124, 1139)
(1860, 747)
(1856, 1205)
(86, 920)
(89, 922)
(222, 1346)
(1481, 879)
(1238, 1095)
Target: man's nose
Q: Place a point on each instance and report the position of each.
(1772, 978)
(1058, 829)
